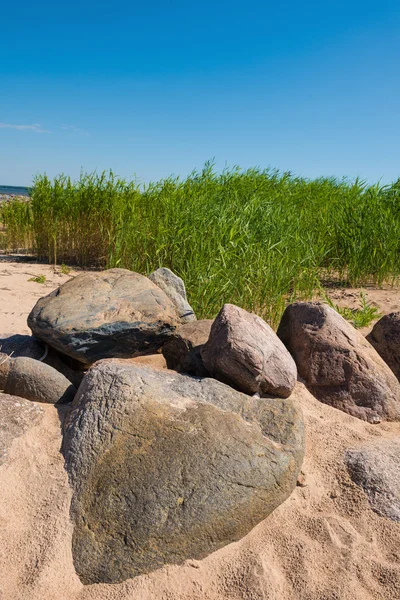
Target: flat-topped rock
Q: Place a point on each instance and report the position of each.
(115, 313)
(166, 467)
(338, 364)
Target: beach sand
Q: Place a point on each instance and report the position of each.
(323, 543)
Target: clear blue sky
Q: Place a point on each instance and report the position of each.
(154, 88)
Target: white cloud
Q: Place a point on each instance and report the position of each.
(35, 127)
(74, 129)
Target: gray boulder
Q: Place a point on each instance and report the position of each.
(337, 364)
(16, 416)
(115, 313)
(17, 345)
(182, 351)
(385, 338)
(166, 467)
(243, 351)
(175, 289)
(34, 380)
(376, 468)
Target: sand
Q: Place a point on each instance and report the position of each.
(18, 295)
(323, 543)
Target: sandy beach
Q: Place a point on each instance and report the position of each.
(323, 543)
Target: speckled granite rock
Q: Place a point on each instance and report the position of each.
(166, 467)
(376, 468)
(385, 338)
(243, 351)
(337, 363)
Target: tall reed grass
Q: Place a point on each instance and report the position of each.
(255, 238)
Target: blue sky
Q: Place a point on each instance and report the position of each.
(151, 89)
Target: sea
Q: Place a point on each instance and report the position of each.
(13, 190)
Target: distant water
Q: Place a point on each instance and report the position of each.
(14, 190)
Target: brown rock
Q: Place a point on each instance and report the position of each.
(385, 338)
(338, 365)
(166, 467)
(183, 350)
(244, 352)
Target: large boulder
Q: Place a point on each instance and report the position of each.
(16, 416)
(34, 380)
(337, 364)
(115, 313)
(17, 345)
(243, 351)
(385, 338)
(183, 350)
(175, 289)
(376, 468)
(166, 467)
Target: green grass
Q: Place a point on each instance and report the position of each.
(38, 279)
(359, 317)
(254, 238)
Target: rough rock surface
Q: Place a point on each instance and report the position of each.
(166, 467)
(338, 364)
(17, 345)
(376, 468)
(244, 352)
(34, 380)
(175, 289)
(183, 350)
(16, 415)
(385, 338)
(115, 313)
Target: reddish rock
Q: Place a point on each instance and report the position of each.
(337, 363)
(244, 352)
(385, 338)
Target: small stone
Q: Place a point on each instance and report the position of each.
(175, 289)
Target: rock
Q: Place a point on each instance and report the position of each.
(243, 351)
(385, 338)
(34, 380)
(175, 289)
(376, 468)
(30, 347)
(183, 350)
(165, 467)
(115, 313)
(156, 361)
(337, 364)
(16, 415)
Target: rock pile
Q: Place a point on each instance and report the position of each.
(171, 464)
